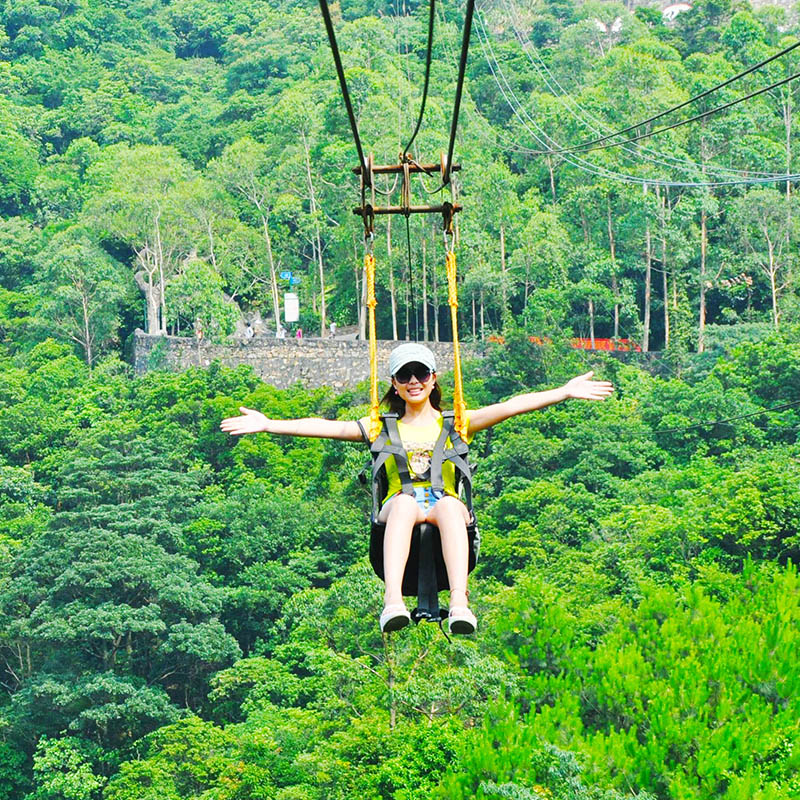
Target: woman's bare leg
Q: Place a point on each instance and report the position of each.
(450, 515)
(401, 515)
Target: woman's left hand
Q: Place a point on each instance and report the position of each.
(584, 388)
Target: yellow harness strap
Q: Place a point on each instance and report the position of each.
(459, 408)
(374, 403)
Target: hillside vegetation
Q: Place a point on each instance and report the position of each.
(187, 616)
(162, 158)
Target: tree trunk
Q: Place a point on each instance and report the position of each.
(483, 320)
(273, 277)
(144, 280)
(527, 280)
(408, 308)
(701, 328)
(552, 178)
(424, 292)
(665, 287)
(504, 293)
(591, 322)
(162, 283)
(211, 253)
(648, 277)
(773, 270)
(474, 328)
(312, 196)
(388, 645)
(787, 124)
(612, 247)
(392, 294)
(435, 306)
(323, 316)
(87, 336)
(362, 331)
(361, 295)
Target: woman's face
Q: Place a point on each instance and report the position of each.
(414, 382)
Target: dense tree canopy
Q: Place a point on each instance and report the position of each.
(187, 616)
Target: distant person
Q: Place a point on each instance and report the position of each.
(299, 334)
(280, 333)
(414, 397)
(333, 330)
(249, 332)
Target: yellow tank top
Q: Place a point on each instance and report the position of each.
(418, 442)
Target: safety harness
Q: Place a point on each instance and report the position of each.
(425, 574)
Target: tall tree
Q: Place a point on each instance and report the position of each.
(766, 231)
(139, 200)
(84, 289)
(245, 169)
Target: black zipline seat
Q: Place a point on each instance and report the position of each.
(425, 573)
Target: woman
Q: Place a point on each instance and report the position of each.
(415, 396)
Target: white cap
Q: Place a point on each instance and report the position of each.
(408, 353)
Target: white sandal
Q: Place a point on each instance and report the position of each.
(394, 617)
(462, 620)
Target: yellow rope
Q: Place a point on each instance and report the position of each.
(374, 410)
(458, 390)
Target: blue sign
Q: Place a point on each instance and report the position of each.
(286, 275)
(294, 281)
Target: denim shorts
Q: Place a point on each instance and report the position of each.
(427, 497)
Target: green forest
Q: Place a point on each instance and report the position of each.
(184, 615)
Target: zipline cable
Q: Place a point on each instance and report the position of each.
(428, 59)
(326, 15)
(462, 68)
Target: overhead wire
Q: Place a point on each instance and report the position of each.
(542, 136)
(712, 423)
(539, 134)
(589, 120)
(583, 117)
(696, 118)
(694, 99)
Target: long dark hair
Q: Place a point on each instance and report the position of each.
(398, 406)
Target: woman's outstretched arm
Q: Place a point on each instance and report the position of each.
(253, 421)
(581, 388)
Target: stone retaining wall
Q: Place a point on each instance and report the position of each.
(338, 363)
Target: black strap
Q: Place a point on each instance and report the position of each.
(388, 443)
(428, 59)
(427, 584)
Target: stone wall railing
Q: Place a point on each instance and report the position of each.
(338, 363)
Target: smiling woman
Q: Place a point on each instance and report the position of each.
(415, 447)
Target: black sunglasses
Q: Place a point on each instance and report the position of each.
(419, 371)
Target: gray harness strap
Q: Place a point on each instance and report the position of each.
(401, 458)
(456, 454)
(388, 443)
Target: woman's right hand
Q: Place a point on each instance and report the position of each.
(251, 421)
